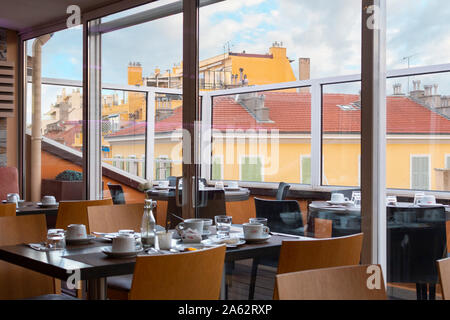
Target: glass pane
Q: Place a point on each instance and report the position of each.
(272, 126)
(341, 134)
(414, 33)
(57, 116)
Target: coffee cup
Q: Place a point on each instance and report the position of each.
(206, 224)
(124, 243)
(255, 230)
(427, 199)
(193, 224)
(48, 200)
(76, 231)
(233, 184)
(13, 198)
(219, 185)
(163, 184)
(338, 197)
(164, 239)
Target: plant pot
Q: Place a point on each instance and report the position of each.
(62, 190)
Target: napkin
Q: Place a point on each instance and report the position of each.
(191, 236)
(38, 247)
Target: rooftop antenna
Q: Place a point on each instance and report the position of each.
(408, 59)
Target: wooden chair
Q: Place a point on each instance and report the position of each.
(70, 212)
(9, 182)
(300, 255)
(443, 266)
(339, 283)
(113, 218)
(7, 210)
(184, 276)
(17, 282)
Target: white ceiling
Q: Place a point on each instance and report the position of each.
(21, 15)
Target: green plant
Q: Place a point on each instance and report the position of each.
(70, 175)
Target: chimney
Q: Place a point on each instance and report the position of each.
(304, 71)
(435, 86)
(398, 89)
(428, 90)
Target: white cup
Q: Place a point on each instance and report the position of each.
(338, 197)
(233, 184)
(163, 184)
(206, 224)
(194, 224)
(76, 231)
(13, 198)
(255, 230)
(48, 200)
(124, 243)
(427, 199)
(219, 185)
(164, 239)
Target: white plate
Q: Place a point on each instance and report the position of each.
(198, 246)
(232, 188)
(111, 254)
(53, 205)
(81, 241)
(216, 241)
(334, 203)
(257, 240)
(436, 205)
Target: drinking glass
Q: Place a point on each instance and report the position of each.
(258, 220)
(223, 225)
(356, 198)
(56, 239)
(417, 196)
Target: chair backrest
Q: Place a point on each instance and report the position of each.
(282, 191)
(320, 253)
(17, 282)
(443, 266)
(117, 194)
(210, 203)
(70, 212)
(338, 283)
(282, 215)
(195, 275)
(116, 217)
(9, 182)
(7, 210)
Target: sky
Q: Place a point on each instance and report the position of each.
(326, 31)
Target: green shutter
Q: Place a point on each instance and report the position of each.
(216, 173)
(306, 170)
(420, 173)
(447, 163)
(251, 169)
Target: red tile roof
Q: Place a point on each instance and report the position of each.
(290, 112)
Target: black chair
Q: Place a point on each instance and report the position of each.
(117, 193)
(210, 203)
(283, 216)
(282, 191)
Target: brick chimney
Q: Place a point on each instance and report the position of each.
(304, 71)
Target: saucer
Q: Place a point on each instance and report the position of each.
(80, 241)
(232, 188)
(217, 241)
(334, 203)
(183, 246)
(263, 239)
(47, 205)
(435, 205)
(129, 254)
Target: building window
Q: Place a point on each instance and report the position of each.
(447, 161)
(305, 169)
(163, 168)
(420, 172)
(251, 169)
(217, 168)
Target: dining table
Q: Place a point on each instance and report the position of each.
(90, 264)
(50, 211)
(231, 194)
(415, 234)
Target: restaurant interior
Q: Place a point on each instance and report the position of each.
(224, 150)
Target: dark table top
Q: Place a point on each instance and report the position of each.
(230, 195)
(33, 208)
(94, 264)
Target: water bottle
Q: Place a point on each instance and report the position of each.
(148, 224)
